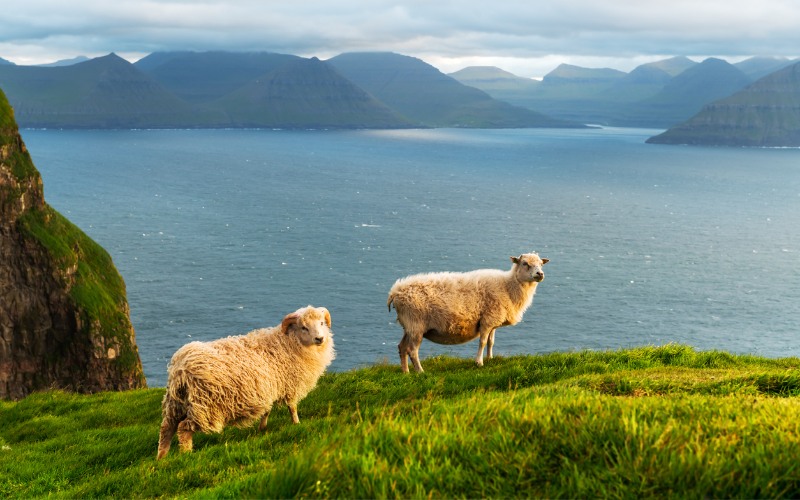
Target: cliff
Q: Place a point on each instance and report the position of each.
(64, 320)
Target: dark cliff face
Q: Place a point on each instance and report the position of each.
(64, 320)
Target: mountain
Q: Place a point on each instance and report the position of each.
(64, 313)
(490, 78)
(569, 92)
(499, 84)
(758, 67)
(106, 92)
(5, 62)
(686, 94)
(641, 83)
(264, 89)
(305, 93)
(673, 66)
(199, 77)
(424, 95)
(197, 90)
(766, 113)
(66, 62)
(591, 95)
(658, 94)
(570, 74)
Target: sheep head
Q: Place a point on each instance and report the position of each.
(528, 267)
(311, 325)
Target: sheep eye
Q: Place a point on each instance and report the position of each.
(305, 329)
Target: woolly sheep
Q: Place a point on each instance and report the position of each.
(236, 380)
(454, 308)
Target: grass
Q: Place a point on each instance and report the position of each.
(646, 422)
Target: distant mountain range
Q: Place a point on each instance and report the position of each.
(655, 95)
(422, 94)
(766, 113)
(106, 92)
(752, 102)
(227, 89)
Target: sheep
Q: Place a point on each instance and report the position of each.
(237, 379)
(455, 308)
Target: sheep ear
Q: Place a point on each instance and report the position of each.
(288, 321)
(327, 316)
(545, 261)
(515, 260)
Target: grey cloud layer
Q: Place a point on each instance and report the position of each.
(450, 29)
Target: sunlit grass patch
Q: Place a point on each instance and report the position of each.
(647, 422)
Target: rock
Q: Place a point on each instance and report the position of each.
(64, 318)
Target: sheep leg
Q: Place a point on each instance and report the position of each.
(262, 426)
(185, 434)
(403, 348)
(486, 333)
(415, 359)
(293, 412)
(490, 344)
(409, 348)
(168, 428)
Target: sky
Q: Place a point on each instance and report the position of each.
(526, 37)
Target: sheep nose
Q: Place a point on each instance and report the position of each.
(319, 340)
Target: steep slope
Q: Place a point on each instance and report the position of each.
(592, 95)
(493, 78)
(687, 93)
(499, 84)
(571, 74)
(305, 93)
(643, 82)
(106, 92)
(673, 66)
(64, 320)
(759, 67)
(766, 113)
(66, 62)
(5, 61)
(423, 94)
(199, 77)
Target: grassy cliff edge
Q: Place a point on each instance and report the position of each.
(652, 421)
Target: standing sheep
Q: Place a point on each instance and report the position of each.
(237, 379)
(454, 308)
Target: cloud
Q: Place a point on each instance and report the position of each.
(446, 31)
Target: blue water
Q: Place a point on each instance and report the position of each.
(217, 232)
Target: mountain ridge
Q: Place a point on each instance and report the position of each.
(215, 89)
(764, 114)
(422, 93)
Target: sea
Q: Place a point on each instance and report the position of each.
(218, 232)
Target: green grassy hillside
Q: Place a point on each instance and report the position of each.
(646, 422)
